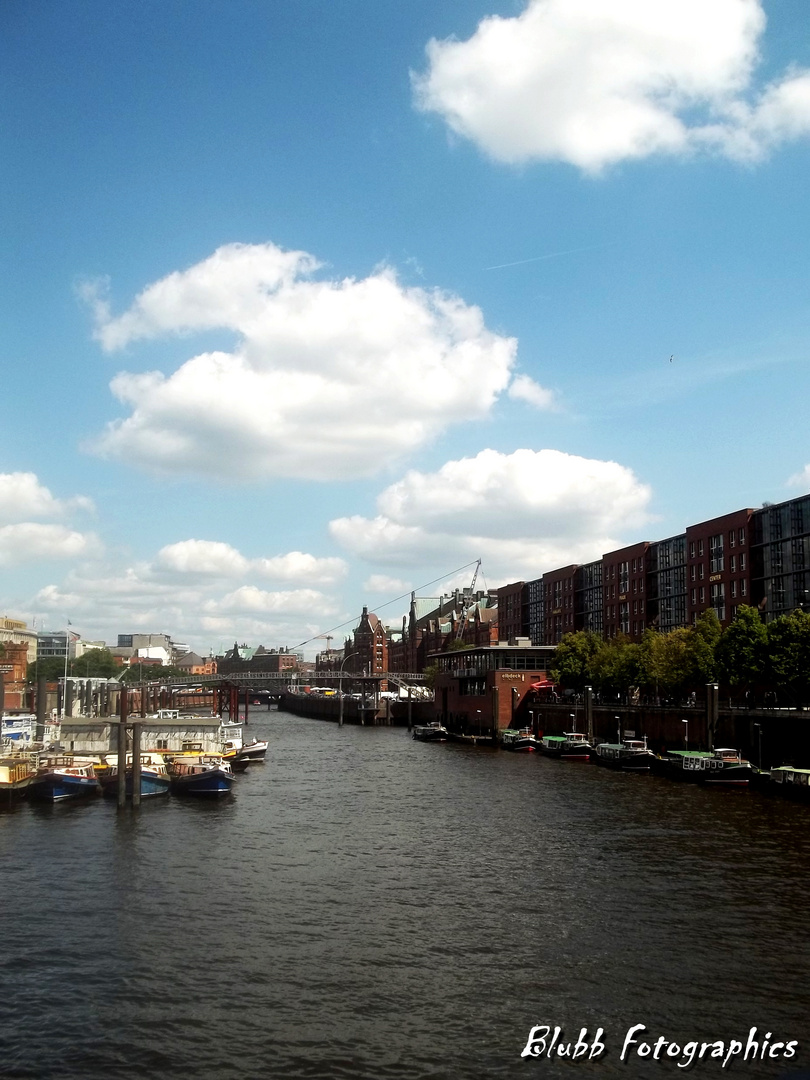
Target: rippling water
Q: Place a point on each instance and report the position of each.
(367, 906)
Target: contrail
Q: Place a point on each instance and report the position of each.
(553, 255)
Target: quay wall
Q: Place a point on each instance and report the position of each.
(394, 713)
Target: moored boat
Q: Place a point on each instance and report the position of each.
(631, 755)
(15, 776)
(64, 777)
(200, 774)
(791, 782)
(432, 732)
(724, 766)
(155, 779)
(522, 741)
(570, 746)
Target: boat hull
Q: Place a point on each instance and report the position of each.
(212, 784)
(56, 787)
(150, 785)
(615, 757)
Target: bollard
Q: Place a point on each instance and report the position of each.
(136, 764)
(122, 751)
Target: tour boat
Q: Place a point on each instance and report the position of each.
(432, 732)
(631, 755)
(61, 778)
(200, 774)
(570, 746)
(237, 752)
(15, 777)
(155, 778)
(724, 766)
(522, 741)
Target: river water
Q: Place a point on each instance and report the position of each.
(367, 906)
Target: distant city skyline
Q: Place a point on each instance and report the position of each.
(306, 306)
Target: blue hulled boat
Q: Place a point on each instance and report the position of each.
(61, 778)
(155, 779)
(200, 774)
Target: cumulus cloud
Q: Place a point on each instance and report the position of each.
(382, 583)
(22, 496)
(31, 541)
(328, 378)
(800, 479)
(593, 83)
(524, 388)
(524, 513)
(201, 591)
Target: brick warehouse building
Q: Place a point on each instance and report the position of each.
(759, 557)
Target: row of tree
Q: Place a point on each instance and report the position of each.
(98, 664)
(749, 657)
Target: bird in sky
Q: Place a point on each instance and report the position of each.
(672, 358)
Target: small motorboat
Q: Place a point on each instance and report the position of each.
(432, 732)
(522, 741)
(64, 777)
(570, 746)
(155, 779)
(631, 755)
(200, 774)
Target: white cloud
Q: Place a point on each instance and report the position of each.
(209, 557)
(524, 388)
(524, 513)
(298, 566)
(31, 541)
(800, 479)
(594, 83)
(22, 496)
(328, 379)
(249, 598)
(201, 591)
(382, 583)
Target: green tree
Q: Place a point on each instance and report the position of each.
(52, 667)
(573, 659)
(666, 661)
(616, 665)
(742, 649)
(788, 661)
(430, 673)
(705, 637)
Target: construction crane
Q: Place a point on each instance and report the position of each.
(465, 617)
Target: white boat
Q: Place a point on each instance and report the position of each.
(432, 732)
(16, 774)
(631, 755)
(200, 774)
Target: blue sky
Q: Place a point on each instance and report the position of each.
(301, 311)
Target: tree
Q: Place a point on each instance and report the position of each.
(742, 649)
(616, 665)
(705, 637)
(573, 659)
(667, 660)
(789, 654)
(51, 667)
(430, 674)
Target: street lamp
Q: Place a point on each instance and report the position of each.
(686, 735)
(340, 687)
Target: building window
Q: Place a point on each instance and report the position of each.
(733, 590)
(701, 571)
(693, 572)
(741, 536)
(716, 563)
(743, 587)
(691, 549)
(719, 599)
(742, 563)
(702, 595)
(693, 597)
(700, 548)
(732, 563)
(731, 538)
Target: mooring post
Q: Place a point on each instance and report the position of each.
(136, 764)
(247, 704)
(589, 712)
(410, 708)
(122, 749)
(42, 707)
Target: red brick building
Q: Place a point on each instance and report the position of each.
(624, 601)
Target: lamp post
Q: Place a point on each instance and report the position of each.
(340, 687)
(686, 735)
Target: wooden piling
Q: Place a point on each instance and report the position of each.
(122, 750)
(136, 764)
